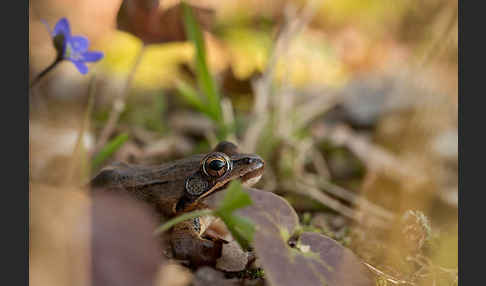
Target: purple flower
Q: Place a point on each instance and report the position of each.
(73, 48)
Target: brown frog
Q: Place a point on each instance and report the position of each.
(180, 186)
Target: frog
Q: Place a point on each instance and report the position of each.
(180, 186)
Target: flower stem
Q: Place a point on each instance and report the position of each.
(45, 71)
(181, 218)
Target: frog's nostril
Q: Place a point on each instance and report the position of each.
(253, 161)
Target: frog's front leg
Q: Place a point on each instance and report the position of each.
(188, 244)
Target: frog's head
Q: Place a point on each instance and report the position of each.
(216, 170)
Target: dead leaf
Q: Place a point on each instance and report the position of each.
(311, 259)
(124, 250)
(159, 24)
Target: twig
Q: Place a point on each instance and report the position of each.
(349, 196)
(328, 201)
(119, 104)
(388, 277)
(84, 126)
(313, 192)
(263, 86)
(260, 116)
(320, 182)
(426, 262)
(211, 137)
(228, 117)
(374, 156)
(320, 163)
(308, 111)
(437, 46)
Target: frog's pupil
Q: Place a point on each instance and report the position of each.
(216, 165)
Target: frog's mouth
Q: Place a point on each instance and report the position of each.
(251, 178)
(250, 169)
(252, 181)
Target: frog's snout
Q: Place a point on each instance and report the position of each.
(254, 166)
(256, 161)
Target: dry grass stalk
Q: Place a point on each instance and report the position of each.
(355, 199)
(77, 157)
(262, 87)
(388, 277)
(119, 104)
(376, 157)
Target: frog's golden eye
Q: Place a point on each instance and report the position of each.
(216, 166)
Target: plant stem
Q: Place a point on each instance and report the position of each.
(78, 155)
(108, 149)
(45, 71)
(119, 104)
(181, 218)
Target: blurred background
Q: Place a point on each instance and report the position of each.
(352, 104)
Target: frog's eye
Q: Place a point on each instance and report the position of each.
(216, 166)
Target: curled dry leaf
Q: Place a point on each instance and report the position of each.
(153, 23)
(311, 259)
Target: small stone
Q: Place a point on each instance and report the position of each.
(233, 258)
(173, 274)
(207, 276)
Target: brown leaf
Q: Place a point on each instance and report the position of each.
(312, 259)
(124, 250)
(159, 25)
(346, 269)
(270, 213)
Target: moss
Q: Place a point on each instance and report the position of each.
(254, 273)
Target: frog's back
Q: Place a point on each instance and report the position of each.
(162, 184)
(123, 175)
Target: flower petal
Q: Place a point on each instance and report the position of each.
(47, 25)
(62, 27)
(79, 44)
(81, 66)
(93, 56)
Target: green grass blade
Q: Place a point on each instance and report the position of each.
(194, 214)
(204, 78)
(108, 150)
(241, 228)
(234, 198)
(191, 97)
